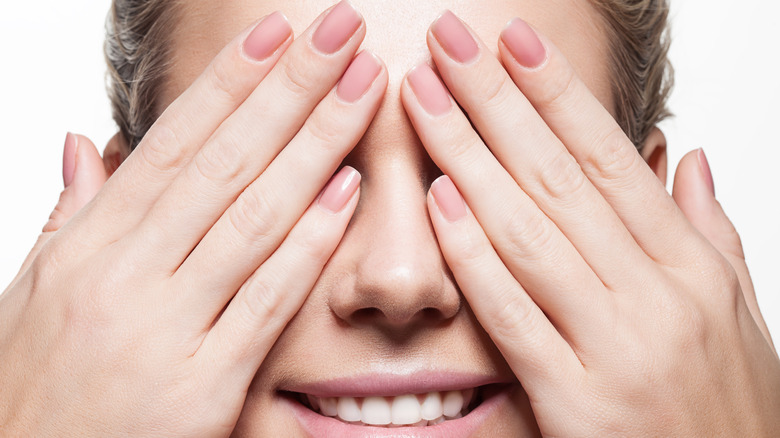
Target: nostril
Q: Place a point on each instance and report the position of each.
(366, 315)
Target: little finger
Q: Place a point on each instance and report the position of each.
(242, 336)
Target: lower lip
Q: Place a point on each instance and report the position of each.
(319, 425)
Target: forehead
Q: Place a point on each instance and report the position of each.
(396, 32)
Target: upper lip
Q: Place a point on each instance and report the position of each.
(389, 384)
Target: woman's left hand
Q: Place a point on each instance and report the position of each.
(617, 315)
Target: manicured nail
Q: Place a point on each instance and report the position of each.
(523, 44)
(267, 36)
(706, 171)
(429, 90)
(454, 38)
(69, 159)
(337, 28)
(358, 77)
(340, 190)
(449, 199)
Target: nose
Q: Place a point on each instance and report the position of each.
(398, 277)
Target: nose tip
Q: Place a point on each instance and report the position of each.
(399, 277)
(399, 297)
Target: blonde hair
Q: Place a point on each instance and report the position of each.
(137, 52)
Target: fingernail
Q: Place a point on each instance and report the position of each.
(337, 28)
(267, 36)
(523, 44)
(429, 90)
(449, 199)
(706, 171)
(358, 77)
(69, 159)
(340, 190)
(454, 38)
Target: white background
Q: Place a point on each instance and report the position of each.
(726, 100)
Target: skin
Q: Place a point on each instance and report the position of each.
(398, 292)
(402, 272)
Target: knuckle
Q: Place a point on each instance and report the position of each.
(463, 147)
(56, 220)
(529, 236)
(161, 147)
(722, 281)
(222, 79)
(326, 130)
(471, 250)
(313, 243)
(514, 318)
(261, 300)
(297, 79)
(557, 89)
(220, 165)
(561, 177)
(614, 158)
(47, 262)
(252, 217)
(495, 92)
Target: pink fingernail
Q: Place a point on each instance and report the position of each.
(69, 159)
(706, 171)
(358, 77)
(340, 190)
(454, 38)
(523, 44)
(337, 28)
(449, 199)
(267, 36)
(429, 90)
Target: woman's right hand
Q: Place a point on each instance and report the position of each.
(151, 310)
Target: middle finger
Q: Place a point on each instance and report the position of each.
(530, 151)
(248, 141)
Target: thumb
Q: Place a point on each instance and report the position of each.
(84, 174)
(694, 193)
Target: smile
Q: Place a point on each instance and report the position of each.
(406, 410)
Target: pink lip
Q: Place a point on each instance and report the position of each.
(389, 385)
(317, 425)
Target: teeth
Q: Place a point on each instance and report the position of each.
(329, 406)
(403, 410)
(452, 402)
(348, 409)
(431, 407)
(376, 411)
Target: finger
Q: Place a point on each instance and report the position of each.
(251, 138)
(531, 153)
(531, 246)
(694, 192)
(185, 126)
(602, 149)
(254, 226)
(537, 353)
(83, 176)
(239, 341)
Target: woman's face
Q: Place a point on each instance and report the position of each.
(386, 317)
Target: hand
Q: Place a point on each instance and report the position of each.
(617, 316)
(151, 310)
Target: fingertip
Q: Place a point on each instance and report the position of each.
(692, 189)
(89, 172)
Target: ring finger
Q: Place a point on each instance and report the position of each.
(531, 245)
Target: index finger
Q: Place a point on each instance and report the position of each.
(187, 123)
(590, 133)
